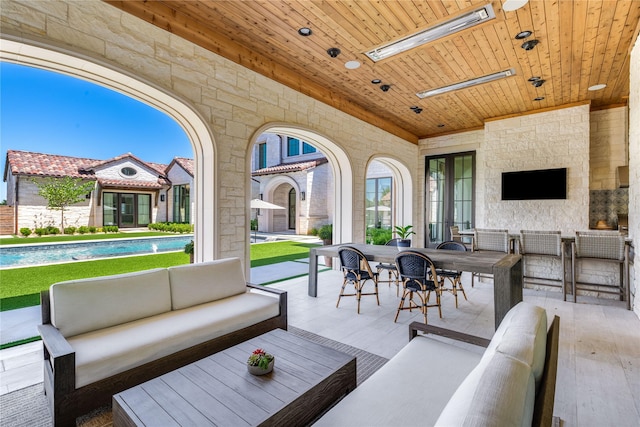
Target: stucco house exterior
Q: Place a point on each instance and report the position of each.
(128, 192)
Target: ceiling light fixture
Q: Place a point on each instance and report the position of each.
(511, 5)
(523, 35)
(534, 79)
(441, 125)
(597, 87)
(540, 98)
(452, 26)
(530, 44)
(333, 52)
(304, 31)
(352, 65)
(467, 83)
(376, 81)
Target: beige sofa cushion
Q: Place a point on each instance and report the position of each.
(500, 392)
(409, 390)
(107, 352)
(85, 305)
(204, 282)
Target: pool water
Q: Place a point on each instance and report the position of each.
(29, 255)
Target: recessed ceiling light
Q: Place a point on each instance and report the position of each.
(530, 44)
(597, 87)
(352, 65)
(441, 125)
(540, 98)
(467, 83)
(304, 31)
(511, 5)
(452, 26)
(523, 35)
(376, 81)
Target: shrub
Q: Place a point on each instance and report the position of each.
(313, 232)
(25, 231)
(378, 236)
(110, 228)
(326, 233)
(52, 230)
(69, 230)
(171, 227)
(92, 229)
(40, 231)
(83, 229)
(254, 224)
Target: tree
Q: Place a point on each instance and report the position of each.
(63, 192)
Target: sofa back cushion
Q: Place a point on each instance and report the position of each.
(85, 305)
(204, 282)
(523, 335)
(499, 392)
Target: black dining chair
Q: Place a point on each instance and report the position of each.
(357, 271)
(390, 268)
(419, 278)
(454, 277)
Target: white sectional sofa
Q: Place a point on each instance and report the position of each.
(106, 334)
(436, 381)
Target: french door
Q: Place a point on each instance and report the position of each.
(126, 210)
(292, 209)
(449, 201)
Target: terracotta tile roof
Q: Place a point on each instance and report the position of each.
(52, 165)
(119, 183)
(289, 167)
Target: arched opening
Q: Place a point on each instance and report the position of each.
(342, 186)
(23, 51)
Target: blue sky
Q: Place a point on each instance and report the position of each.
(53, 113)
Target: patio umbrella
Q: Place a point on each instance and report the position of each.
(261, 204)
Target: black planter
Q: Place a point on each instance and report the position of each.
(404, 244)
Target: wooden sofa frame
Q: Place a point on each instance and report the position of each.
(66, 403)
(545, 395)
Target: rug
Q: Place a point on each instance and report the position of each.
(27, 407)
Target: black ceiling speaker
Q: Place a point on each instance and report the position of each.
(538, 83)
(528, 45)
(333, 52)
(385, 88)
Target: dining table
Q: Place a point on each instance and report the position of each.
(505, 268)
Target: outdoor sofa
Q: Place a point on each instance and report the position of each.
(448, 382)
(106, 334)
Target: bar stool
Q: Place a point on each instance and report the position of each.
(542, 243)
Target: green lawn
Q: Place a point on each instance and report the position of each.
(21, 286)
(79, 237)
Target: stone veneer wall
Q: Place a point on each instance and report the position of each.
(553, 139)
(634, 165)
(234, 101)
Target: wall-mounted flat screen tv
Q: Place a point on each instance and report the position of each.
(544, 184)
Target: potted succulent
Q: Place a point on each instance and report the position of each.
(188, 249)
(403, 233)
(260, 362)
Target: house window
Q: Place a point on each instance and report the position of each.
(307, 149)
(262, 156)
(293, 146)
(127, 171)
(181, 204)
(378, 200)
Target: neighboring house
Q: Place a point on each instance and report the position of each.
(128, 192)
(291, 173)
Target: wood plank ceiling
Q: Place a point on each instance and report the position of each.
(581, 43)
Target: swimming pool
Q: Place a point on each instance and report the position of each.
(29, 255)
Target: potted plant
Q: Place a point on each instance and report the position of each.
(260, 362)
(325, 233)
(403, 233)
(188, 249)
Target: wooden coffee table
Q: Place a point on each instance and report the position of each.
(307, 379)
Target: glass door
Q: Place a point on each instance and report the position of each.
(292, 209)
(450, 188)
(127, 211)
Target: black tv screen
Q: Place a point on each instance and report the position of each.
(544, 184)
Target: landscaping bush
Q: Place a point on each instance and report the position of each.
(40, 231)
(26, 232)
(254, 224)
(83, 229)
(110, 228)
(92, 229)
(313, 232)
(378, 236)
(69, 230)
(326, 233)
(171, 227)
(52, 230)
